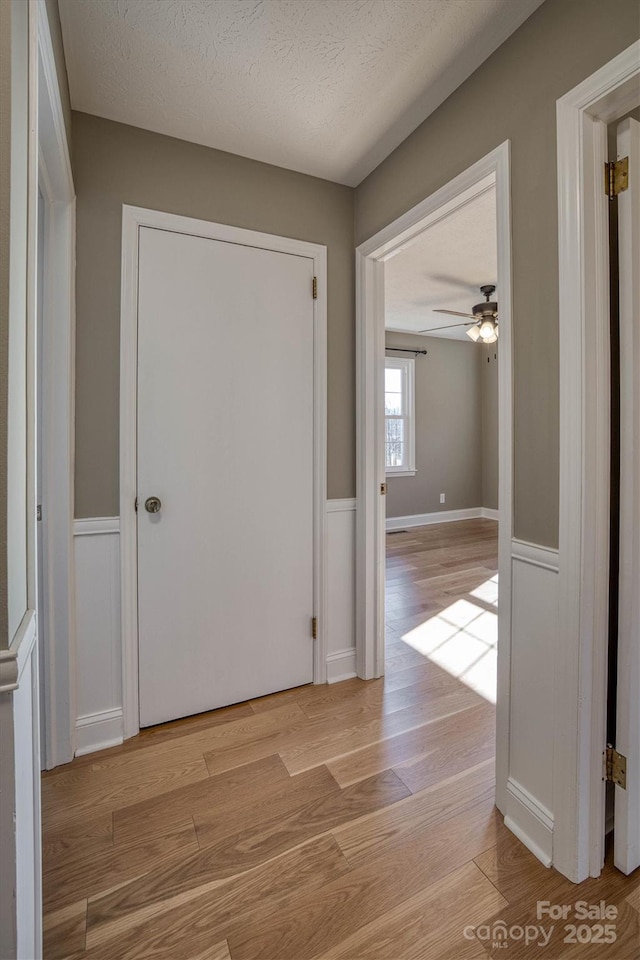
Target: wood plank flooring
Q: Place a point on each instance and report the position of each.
(346, 822)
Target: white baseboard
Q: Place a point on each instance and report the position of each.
(442, 516)
(531, 823)
(341, 665)
(97, 731)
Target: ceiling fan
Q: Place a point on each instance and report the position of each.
(483, 322)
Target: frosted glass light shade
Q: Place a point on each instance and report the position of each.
(473, 332)
(487, 330)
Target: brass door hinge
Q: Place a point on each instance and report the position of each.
(616, 177)
(383, 489)
(614, 767)
(314, 628)
(314, 288)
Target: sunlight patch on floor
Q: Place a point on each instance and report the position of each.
(463, 640)
(488, 591)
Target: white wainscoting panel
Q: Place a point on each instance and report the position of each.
(533, 638)
(341, 590)
(98, 634)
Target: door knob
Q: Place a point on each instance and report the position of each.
(153, 504)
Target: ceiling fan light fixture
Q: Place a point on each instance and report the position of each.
(488, 331)
(485, 315)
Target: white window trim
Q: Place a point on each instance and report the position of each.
(408, 366)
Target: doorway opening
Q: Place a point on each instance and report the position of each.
(451, 623)
(441, 417)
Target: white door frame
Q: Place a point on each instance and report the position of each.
(58, 386)
(494, 169)
(133, 218)
(580, 669)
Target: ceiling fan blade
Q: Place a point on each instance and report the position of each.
(455, 313)
(449, 326)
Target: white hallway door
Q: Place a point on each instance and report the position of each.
(627, 801)
(225, 443)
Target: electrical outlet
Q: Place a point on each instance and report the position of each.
(442, 498)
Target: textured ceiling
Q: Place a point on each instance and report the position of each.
(444, 267)
(326, 87)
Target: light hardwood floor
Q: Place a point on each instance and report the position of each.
(353, 821)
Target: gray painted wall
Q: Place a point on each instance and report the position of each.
(116, 164)
(513, 96)
(455, 390)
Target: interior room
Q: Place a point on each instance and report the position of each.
(441, 447)
(319, 479)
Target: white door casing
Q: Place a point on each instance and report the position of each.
(627, 801)
(580, 667)
(255, 269)
(57, 389)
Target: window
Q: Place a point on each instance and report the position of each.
(399, 423)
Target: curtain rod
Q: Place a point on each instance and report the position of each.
(406, 350)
